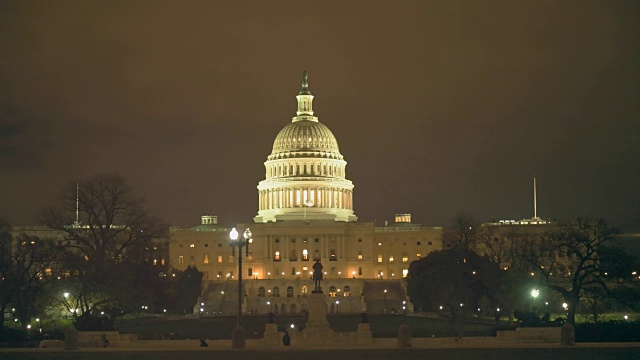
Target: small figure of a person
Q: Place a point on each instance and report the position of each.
(105, 341)
(203, 343)
(286, 339)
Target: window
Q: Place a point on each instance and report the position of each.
(276, 291)
(429, 243)
(405, 258)
(418, 243)
(219, 244)
(305, 255)
(219, 274)
(250, 272)
(261, 292)
(192, 245)
(206, 259)
(230, 259)
(360, 270)
(277, 241)
(293, 271)
(179, 245)
(155, 262)
(347, 291)
(290, 291)
(359, 239)
(332, 255)
(390, 258)
(316, 255)
(206, 245)
(333, 270)
(305, 290)
(418, 255)
(193, 258)
(293, 241)
(317, 240)
(379, 258)
(332, 291)
(219, 259)
(359, 255)
(180, 259)
(293, 256)
(250, 256)
(405, 272)
(276, 256)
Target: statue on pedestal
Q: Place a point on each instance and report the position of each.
(317, 276)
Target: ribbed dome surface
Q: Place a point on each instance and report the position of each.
(305, 135)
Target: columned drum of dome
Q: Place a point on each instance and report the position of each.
(305, 173)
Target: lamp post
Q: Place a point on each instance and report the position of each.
(237, 336)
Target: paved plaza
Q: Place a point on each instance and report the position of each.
(443, 348)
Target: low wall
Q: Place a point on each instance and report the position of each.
(538, 334)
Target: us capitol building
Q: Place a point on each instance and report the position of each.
(305, 213)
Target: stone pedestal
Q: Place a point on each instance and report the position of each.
(237, 338)
(271, 335)
(317, 325)
(363, 336)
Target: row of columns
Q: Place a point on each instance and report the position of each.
(296, 197)
(304, 169)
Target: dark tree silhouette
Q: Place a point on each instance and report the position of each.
(569, 261)
(110, 247)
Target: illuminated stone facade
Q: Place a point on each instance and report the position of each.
(305, 212)
(305, 173)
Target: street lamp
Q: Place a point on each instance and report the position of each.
(237, 338)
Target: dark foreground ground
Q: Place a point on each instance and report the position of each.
(578, 352)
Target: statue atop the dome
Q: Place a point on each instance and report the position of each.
(305, 85)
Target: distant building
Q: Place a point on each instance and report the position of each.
(305, 212)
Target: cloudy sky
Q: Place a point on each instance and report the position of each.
(439, 107)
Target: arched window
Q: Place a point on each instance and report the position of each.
(332, 291)
(275, 308)
(305, 255)
(206, 259)
(290, 291)
(332, 255)
(293, 256)
(293, 308)
(283, 309)
(347, 291)
(316, 254)
(305, 290)
(276, 291)
(276, 256)
(261, 291)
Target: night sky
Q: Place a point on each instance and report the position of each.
(439, 107)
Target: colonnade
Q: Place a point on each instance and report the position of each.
(296, 197)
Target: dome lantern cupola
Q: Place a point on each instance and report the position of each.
(305, 101)
(305, 173)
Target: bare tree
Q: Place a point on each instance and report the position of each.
(463, 234)
(568, 261)
(109, 238)
(104, 221)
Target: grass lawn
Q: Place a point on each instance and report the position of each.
(220, 327)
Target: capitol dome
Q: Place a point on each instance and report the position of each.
(306, 135)
(305, 173)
